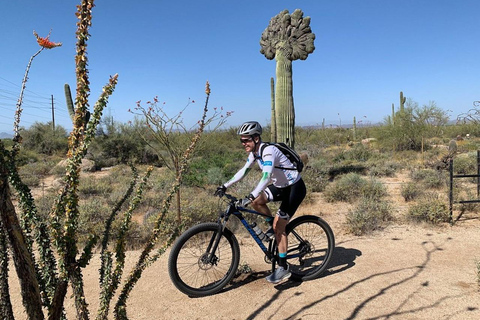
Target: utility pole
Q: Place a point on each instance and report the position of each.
(53, 117)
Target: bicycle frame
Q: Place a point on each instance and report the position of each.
(235, 210)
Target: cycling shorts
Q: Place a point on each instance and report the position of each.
(291, 196)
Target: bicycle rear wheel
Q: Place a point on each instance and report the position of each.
(310, 247)
(195, 270)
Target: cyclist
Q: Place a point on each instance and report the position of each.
(279, 182)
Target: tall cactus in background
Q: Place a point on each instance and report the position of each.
(402, 101)
(393, 114)
(287, 38)
(273, 133)
(70, 105)
(354, 129)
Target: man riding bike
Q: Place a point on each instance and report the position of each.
(279, 182)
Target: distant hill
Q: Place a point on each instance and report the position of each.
(4, 135)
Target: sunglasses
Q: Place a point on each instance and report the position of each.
(245, 140)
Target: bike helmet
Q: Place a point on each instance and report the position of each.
(250, 128)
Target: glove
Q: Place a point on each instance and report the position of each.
(220, 191)
(246, 201)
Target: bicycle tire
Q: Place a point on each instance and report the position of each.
(190, 273)
(309, 257)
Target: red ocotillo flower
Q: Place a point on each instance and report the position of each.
(45, 42)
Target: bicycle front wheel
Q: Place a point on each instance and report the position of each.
(310, 246)
(195, 269)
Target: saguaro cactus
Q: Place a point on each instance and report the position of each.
(402, 101)
(354, 129)
(70, 105)
(273, 133)
(287, 38)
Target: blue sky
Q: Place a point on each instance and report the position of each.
(367, 51)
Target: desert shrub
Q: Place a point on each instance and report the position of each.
(27, 156)
(369, 215)
(315, 175)
(465, 194)
(347, 188)
(41, 138)
(430, 208)
(430, 178)
(32, 173)
(215, 176)
(92, 222)
(384, 168)
(91, 186)
(92, 218)
(352, 186)
(374, 190)
(411, 191)
(118, 143)
(226, 162)
(358, 153)
(465, 164)
(411, 125)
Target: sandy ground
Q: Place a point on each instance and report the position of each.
(403, 272)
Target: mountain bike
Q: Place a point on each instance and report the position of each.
(205, 258)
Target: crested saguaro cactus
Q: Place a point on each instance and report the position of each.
(287, 38)
(273, 133)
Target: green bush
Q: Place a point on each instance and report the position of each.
(347, 188)
(369, 215)
(90, 186)
(383, 168)
(430, 178)
(32, 173)
(358, 153)
(410, 126)
(352, 186)
(315, 175)
(429, 209)
(374, 190)
(465, 164)
(411, 191)
(41, 138)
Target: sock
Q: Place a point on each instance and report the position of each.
(282, 261)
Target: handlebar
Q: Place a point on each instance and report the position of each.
(231, 199)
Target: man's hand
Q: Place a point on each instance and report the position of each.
(220, 191)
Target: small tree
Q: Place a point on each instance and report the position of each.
(287, 38)
(412, 124)
(169, 137)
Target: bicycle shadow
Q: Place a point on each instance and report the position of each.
(342, 259)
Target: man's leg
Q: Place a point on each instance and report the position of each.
(279, 225)
(260, 204)
(282, 272)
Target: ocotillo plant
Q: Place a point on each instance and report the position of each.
(287, 38)
(34, 280)
(146, 258)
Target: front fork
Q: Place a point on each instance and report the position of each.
(215, 240)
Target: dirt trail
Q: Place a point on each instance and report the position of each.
(403, 272)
